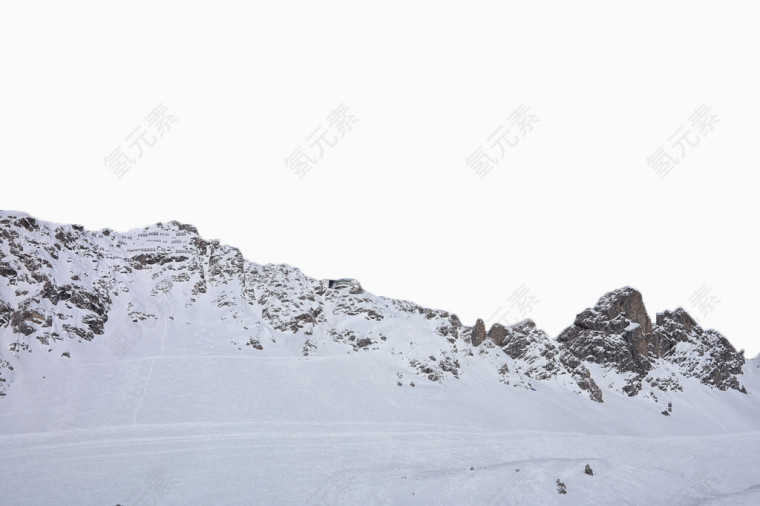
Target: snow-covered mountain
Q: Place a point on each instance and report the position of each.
(157, 336)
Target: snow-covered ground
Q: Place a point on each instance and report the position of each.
(314, 463)
(180, 419)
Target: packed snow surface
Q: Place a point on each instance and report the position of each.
(181, 421)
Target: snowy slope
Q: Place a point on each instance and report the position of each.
(141, 370)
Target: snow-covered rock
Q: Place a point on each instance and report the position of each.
(618, 334)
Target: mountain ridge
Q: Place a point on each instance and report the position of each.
(62, 282)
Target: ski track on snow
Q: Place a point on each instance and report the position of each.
(150, 373)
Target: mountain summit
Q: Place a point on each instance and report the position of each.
(618, 334)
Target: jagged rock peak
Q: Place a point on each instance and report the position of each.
(478, 332)
(618, 334)
(617, 311)
(680, 316)
(614, 332)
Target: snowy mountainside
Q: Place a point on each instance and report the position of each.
(62, 284)
(155, 353)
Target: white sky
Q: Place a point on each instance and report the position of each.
(570, 212)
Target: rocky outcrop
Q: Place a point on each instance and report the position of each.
(703, 354)
(497, 333)
(614, 332)
(539, 357)
(478, 333)
(618, 334)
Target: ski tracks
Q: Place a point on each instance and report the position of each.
(150, 373)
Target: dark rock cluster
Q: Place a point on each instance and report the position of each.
(618, 333)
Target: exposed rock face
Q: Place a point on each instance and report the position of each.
(614, 331)
(478, 333)
(523, 338)
(618, 333)
(703, 354)
(541, 358)
(497, 333)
